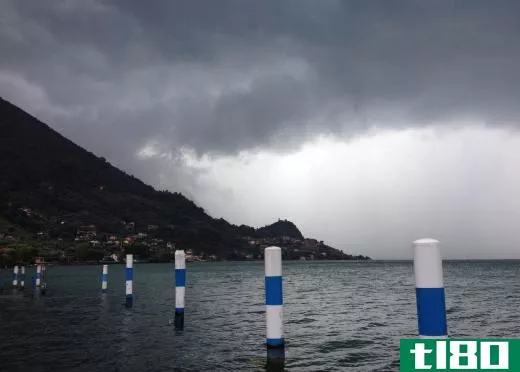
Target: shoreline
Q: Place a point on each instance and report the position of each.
(87, 263)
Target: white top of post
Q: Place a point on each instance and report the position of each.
(427, 264)
(273, 261)
(180, 259)
(426, 241)
(129, 260)
(105, 269)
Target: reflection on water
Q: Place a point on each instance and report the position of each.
(104, 306)
(275, 361)
(126, 325)
(36, 293)
(179, 322)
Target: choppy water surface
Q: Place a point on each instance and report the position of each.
(339, 316)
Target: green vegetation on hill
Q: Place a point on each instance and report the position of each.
(280, 228)
(50, 189)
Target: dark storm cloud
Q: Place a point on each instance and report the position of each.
(224, 76)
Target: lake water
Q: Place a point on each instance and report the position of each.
(338, 316)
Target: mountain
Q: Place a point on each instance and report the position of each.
(57, 196)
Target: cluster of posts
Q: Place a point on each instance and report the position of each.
(19, 277)
(430, 296)
(429, 292)
(180, 283)
(38, 282)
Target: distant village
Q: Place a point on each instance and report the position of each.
(89, 245)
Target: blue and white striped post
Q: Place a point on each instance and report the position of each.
(38, 275)
(180, 281)
(104, 279)
(429, 291)
(274, 297)
(22, 277)
(15, 277)
(129, 279)
(44, 279)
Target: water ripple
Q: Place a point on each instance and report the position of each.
(338, 316)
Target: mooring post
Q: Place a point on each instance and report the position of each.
(274, 297)
(129, 280)
(180, 288)
(38, 275)
(15, 276)
(104, 279)
(429, 291)
(22, 277)
(44, 279)
(180, 281)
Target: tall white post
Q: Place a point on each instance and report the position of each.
(274, 297)
(429, 292)
(129, 279)
(15, 277)
(22, 277)
(44, 279)
(38, 275)
(104, 279)
(180, 281)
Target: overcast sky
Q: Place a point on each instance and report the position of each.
(367, 123)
